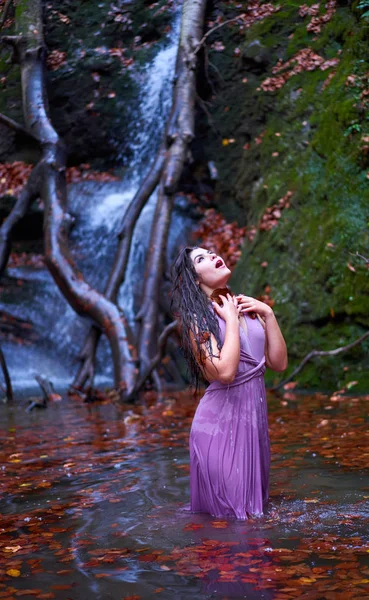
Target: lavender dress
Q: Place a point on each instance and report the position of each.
(229, 441)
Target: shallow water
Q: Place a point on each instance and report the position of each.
(94, 495)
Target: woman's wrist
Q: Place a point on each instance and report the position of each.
(269, 315)
(232, 320)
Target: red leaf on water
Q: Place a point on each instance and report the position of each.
(192, 527)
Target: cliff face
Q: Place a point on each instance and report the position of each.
(290, 134)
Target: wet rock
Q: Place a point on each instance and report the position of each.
(103, 62)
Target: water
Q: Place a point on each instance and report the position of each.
(94, 505)
(98, 209)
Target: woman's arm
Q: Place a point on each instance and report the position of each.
(275, 346)
(223, 367)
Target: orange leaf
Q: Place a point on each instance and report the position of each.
(219, 524)
(13, 572)
(192, 527)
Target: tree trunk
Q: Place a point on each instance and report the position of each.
(165, 174)
(85, 300)
(116, 277)
(151, 365)
(181, 132)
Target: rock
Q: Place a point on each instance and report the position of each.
(255, 55)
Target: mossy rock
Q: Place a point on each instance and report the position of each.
(307, 138)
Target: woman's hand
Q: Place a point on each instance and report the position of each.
(229, 310)
(246, 304)
(275, 346)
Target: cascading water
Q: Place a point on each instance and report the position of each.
(98, 209)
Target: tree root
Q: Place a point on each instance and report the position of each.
(151, 366)
(85, 373)
(164, 175)
(181, 126)
(86, 301)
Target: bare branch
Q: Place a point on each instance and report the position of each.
(151, 366)
(11, 40)
(16, 127)
(28, 194)
(129, 221)
(364, 258)
(314, 353)
(205, 37)
(203, 106)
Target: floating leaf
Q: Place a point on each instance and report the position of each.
(13, 572)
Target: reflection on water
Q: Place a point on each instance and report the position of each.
(94, 506)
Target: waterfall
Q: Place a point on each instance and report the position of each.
(98, 209)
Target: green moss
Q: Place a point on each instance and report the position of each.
(321, 302)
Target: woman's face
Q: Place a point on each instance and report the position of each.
(211, 269)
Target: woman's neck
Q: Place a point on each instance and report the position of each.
(209, 291)
(217, 294)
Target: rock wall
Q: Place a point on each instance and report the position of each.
(95, 52)
(287, 115)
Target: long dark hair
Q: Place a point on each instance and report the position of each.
(195, 314)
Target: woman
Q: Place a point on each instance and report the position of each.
(228, 346)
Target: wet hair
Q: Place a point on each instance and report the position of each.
(196, 315)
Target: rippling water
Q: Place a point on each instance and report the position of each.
(94, 505)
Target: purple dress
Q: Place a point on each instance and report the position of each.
(229, 440)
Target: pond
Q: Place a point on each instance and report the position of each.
(94, 505)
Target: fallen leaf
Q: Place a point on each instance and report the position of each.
(13, 572)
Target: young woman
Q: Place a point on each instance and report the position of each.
(229, 344)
